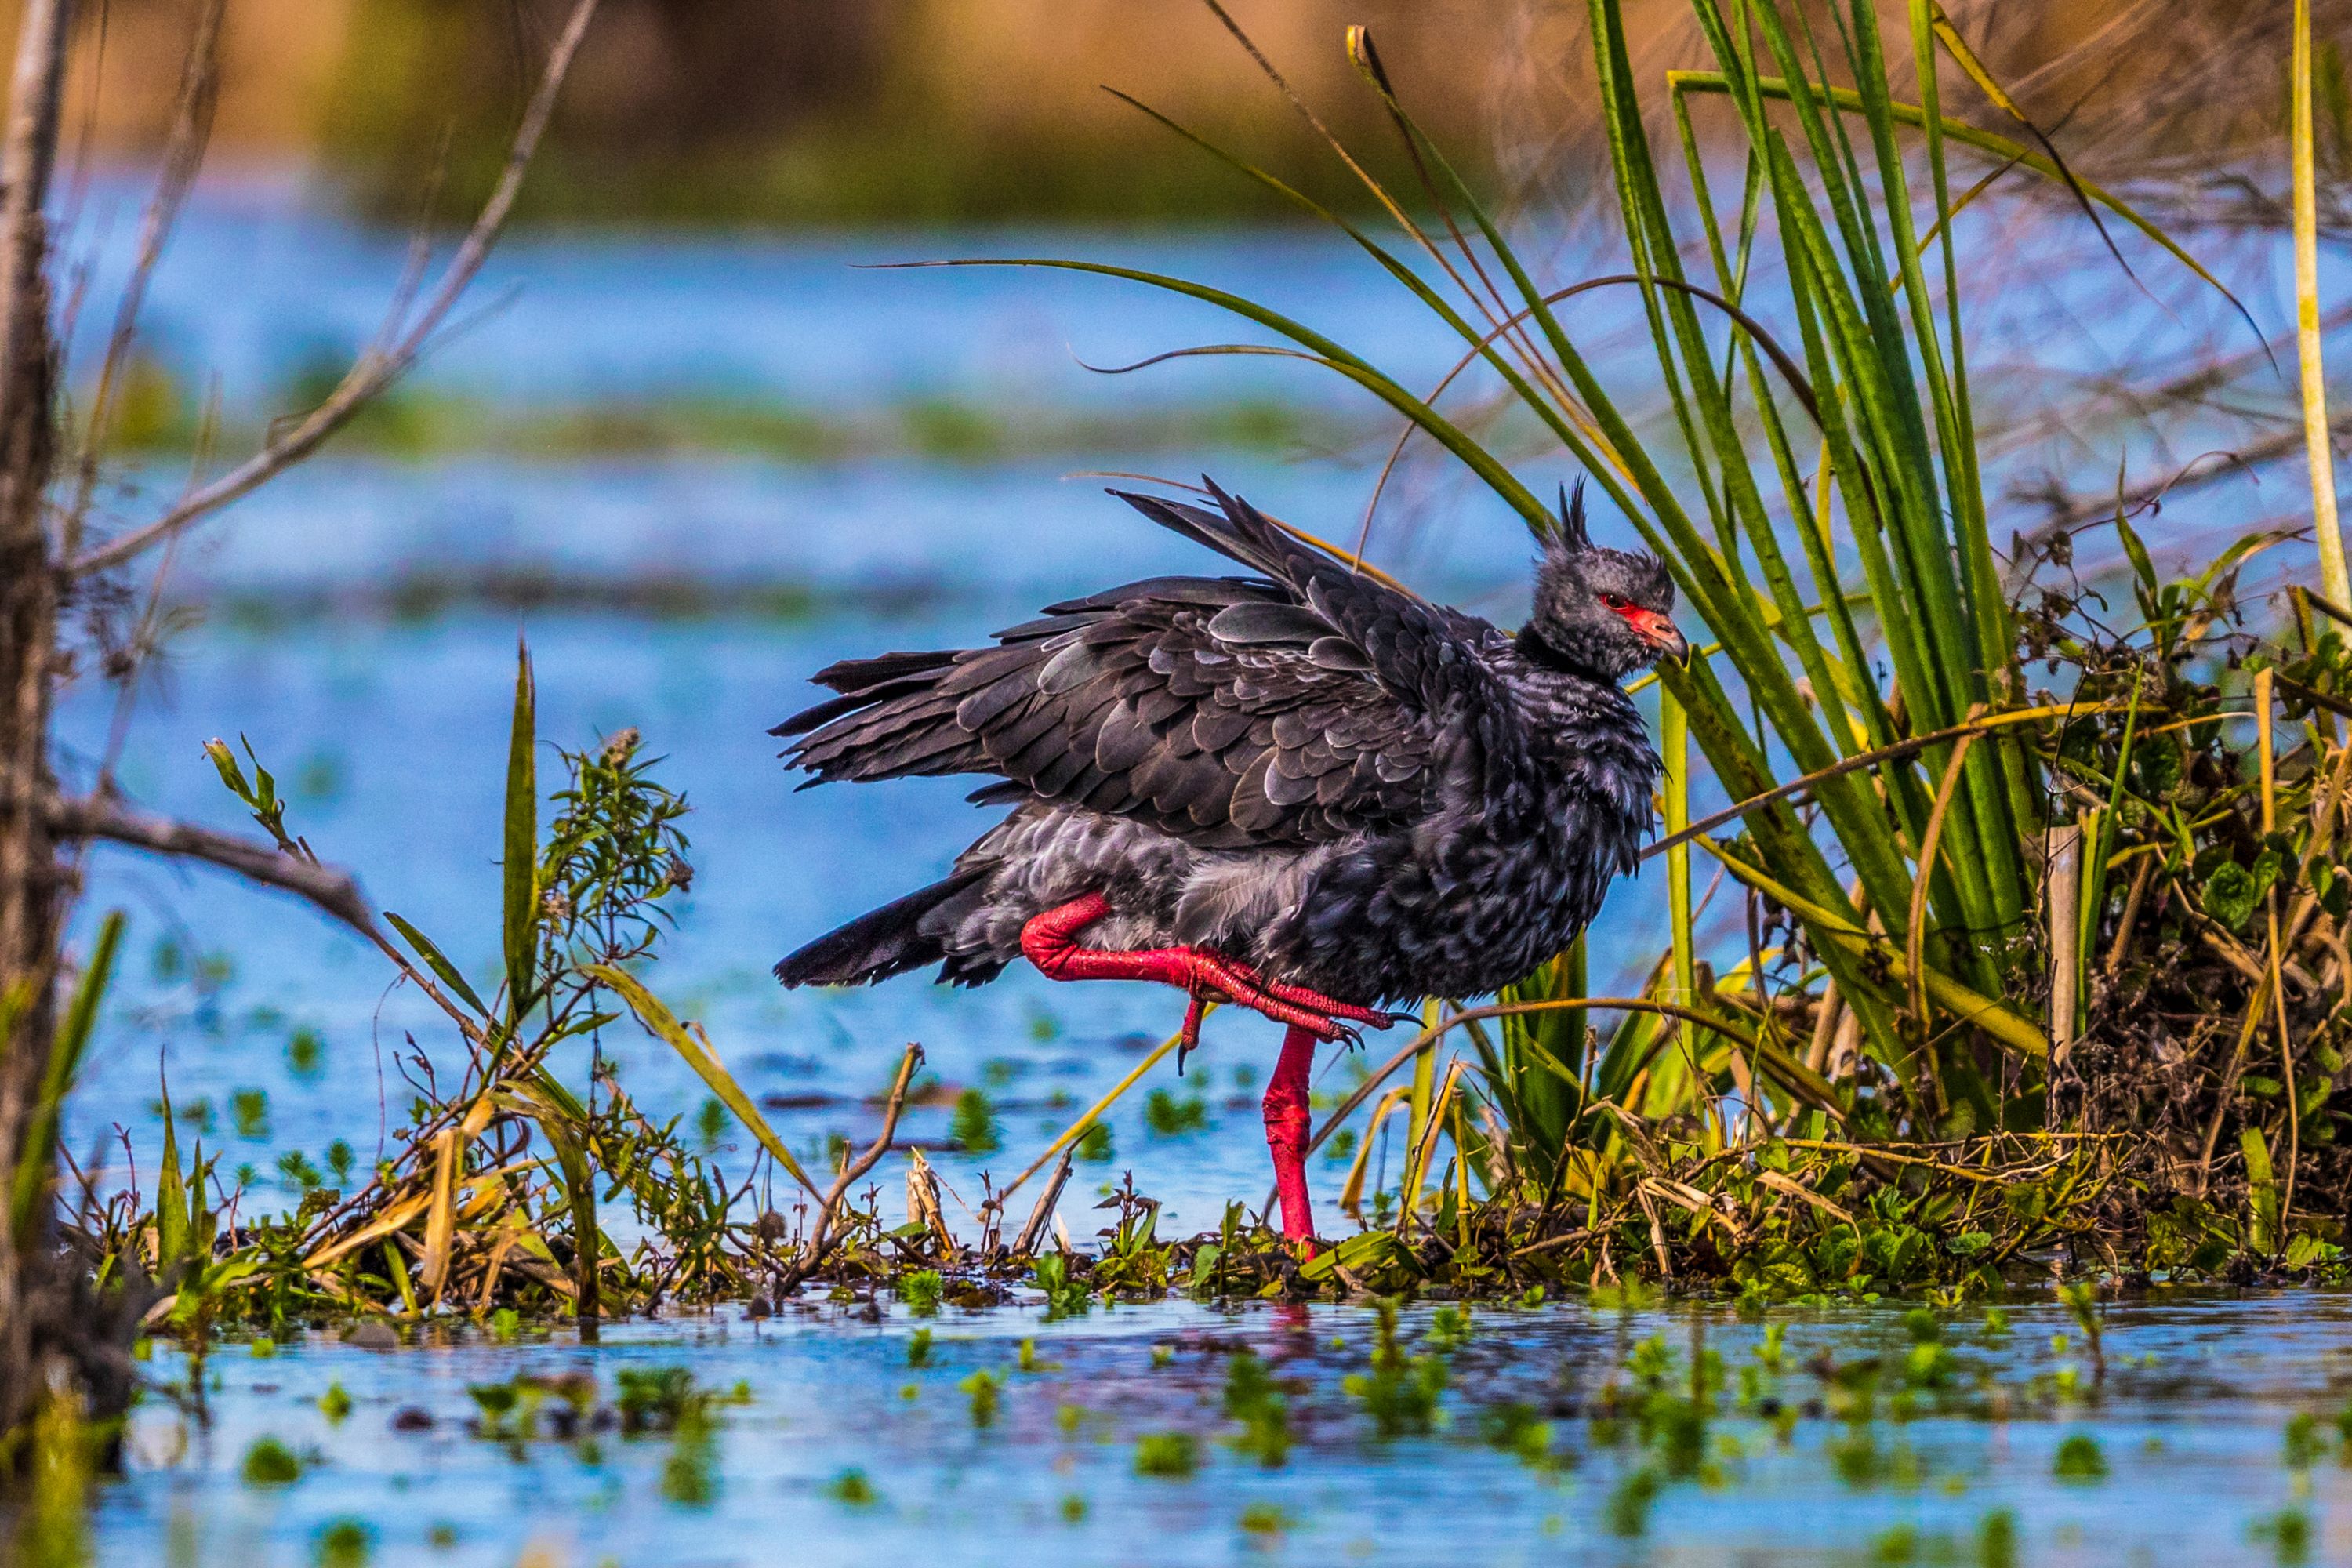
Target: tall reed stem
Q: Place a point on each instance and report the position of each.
(2325, 528)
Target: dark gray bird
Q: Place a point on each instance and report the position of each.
(1304, 792)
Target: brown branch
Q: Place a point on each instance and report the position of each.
(332, 888)
(820, 1241)
(184, 156)
(379, 367)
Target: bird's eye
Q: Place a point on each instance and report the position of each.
(1615, 601)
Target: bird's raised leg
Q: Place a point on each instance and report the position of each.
(1050, 941)
(1287, 1121)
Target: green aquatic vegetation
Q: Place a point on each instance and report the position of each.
(505, 1326)
(1996, 1322)
(1997, 1539)
(1399, 1392)
(1449, 1330)
(1897, 1543)
(1029, 1361)
(306, 1053)
(711, 1122)
(919, 1348)
(1519, 1430)
(1172, 1117)
(1065, 1297)
(2303, 1442)
(851, 1487)
(249, 1113)
(1174, 1455)
(1073, 1509)
(974, 1127)
(1627, 1510)
(2082, 1304)
(690, 1476)
(2079, 1459)
(659, 1399)
(1095, 1145)
(269, 1463)
(1251, 1398)
(344, 1543)
(1264, 1519)
(335, 1403)
(986, 1390)
(1069, 1418)
(2288, 1534)
(1859, 1461)
(921, 1290)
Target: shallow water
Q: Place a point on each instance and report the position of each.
(2190, 1424)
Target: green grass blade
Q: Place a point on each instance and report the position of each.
(694, 1048)
(520, 864)
(437, 961)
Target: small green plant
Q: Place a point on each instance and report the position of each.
(249, 1110)
(1095, 1143)
(919, 1348)
(921, 1290)
(306, 1053)
(344, 1544)
(1264, 1519)
(2288, 1533)
(2079, 1459)
(1169, 1454)
(853, 1487)
(335, 1403)
(972, 1128)
(270, 1463)
(1251, 1398)
(1064, 1297)
(1997, 1539)
(1073, 1509)
(1399, 1392)
(2304, 1443)
(1627, 1511)
(986, 1389)
(1169, 1116)
(658, 1399)
(711, 1123)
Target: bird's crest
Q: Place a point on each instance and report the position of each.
(1571, 534)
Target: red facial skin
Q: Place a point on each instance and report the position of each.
(1654, 625)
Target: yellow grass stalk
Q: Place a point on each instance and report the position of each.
(2325, 528)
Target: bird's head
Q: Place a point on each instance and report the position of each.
(1600, 612)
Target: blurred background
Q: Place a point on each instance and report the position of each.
(692, 446)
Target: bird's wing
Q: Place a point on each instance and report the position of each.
(1289, 709)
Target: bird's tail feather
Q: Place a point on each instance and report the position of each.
(880, 944)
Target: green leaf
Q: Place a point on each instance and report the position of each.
(66, 1049)
(521, 861)
(695, 1047)
(2261, 1191)
(2231, 894)
(438, 962)
(1369, 1250)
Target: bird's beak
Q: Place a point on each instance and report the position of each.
(1671, 642)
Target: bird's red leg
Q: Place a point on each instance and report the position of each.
(1050, 941)
(1286, 1122)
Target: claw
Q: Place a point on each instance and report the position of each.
(1188, 1038)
